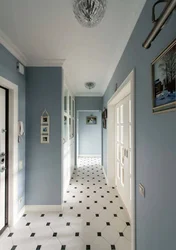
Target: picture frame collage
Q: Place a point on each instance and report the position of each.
(45, 127)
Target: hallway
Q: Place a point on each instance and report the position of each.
(93, 218)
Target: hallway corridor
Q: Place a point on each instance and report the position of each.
(93, 218)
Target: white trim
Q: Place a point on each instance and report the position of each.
(46, 63)
(20, 214)
(43, 208)
(126, 88)
(105, 175)
(13, 149)
(93, 156)
(13, 49)
(90, 94)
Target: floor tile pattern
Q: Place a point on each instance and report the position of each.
(93, 218)
(89, 161)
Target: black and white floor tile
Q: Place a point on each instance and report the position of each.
(93, 218)
(89, 161)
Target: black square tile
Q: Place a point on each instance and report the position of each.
(81, 192)
(95, 191)
(65, 201)
(63, 247)
(127, 223)
(24, 215)
(97, 215)
(104, 208)
(14, 247)
(76, 234)
(68, 191)
(111, 201)
(108, 223)
(60, 215)
(121, 208)
(38, 247)
(88, 196)
(115, 215)
(28, 224)
(68, 224)
(88, 187)
(10, 235)
(88, 247)
(80, 201)
(102, 196)
(54, 234)
(32, 235)
(87, 223)
(113, 187)
(113, 247)
(87, 207)
(78, 215)
(95, 201)
(48, 224)
(73, 196)
(71, 207)
(121, 234)
(98, 234)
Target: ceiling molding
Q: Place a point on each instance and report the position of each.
(12, 48)
(46, 63)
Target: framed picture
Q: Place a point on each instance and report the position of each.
(44, 138)
(44, 129)
(164, 80)
(91, 120)
(44, 119)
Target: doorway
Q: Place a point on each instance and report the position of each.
(3, 159)
(89, 137)
(121, 146)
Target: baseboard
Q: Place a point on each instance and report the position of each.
(91, 156)
(44, 208)
(105, 175)
(20, 214)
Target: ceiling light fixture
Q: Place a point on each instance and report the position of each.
(90, 85)
(89, 13)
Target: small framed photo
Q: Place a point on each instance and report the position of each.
(91, 120)
(44, 129)
(44, 119)
(44, 138)
(164, 80)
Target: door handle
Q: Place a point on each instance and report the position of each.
(3, 130)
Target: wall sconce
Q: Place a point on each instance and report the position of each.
(159, 22)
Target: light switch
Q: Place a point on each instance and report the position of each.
(142, 190)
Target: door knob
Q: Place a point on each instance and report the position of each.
(2, 169)
(2, 154)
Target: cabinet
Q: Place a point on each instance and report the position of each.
(68, 137)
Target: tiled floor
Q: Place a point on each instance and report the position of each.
(89, 161)
(93, 218)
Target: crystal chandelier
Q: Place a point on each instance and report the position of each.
(89, 12)
(90, 85)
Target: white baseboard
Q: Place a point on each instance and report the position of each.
(44, 208)
(20, 214)
(105, 175)
(92, 156)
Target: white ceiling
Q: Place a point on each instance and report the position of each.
(46, 31)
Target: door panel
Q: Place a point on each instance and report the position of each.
(3, 163)
(123, 150)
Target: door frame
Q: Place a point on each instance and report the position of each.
(77, 133)
(13, 214)
(6, 158)
(126, 88)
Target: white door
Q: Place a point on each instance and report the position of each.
(3, 179)
(123, 151)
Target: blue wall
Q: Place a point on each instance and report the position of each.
(155, 139)
(43, 161)
(90, 135)
(8, 71)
